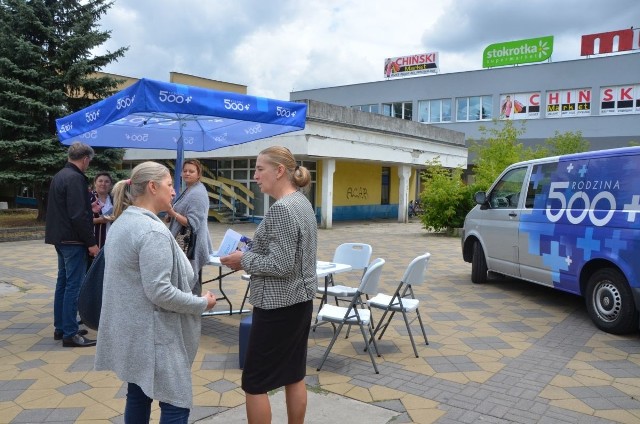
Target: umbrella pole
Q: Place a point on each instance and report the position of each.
(179, 160)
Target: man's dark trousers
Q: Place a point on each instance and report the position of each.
(72, 264)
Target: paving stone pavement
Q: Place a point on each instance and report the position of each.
(503, 352)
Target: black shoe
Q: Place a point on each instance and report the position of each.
(78, 341)
(57, 335)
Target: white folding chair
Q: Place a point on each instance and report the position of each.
(403, 300)
(358, 256)
(352, 315)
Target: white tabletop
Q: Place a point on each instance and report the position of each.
(322, 268)
(326, 268)
(214, 260)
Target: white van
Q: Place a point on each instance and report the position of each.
(569, 222)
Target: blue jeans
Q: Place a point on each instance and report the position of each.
(72, 265)
(138, 409)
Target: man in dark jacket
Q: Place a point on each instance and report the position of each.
(70, 229)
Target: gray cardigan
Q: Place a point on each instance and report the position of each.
(194, 204)
(150, 320)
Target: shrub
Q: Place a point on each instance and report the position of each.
(445, 199)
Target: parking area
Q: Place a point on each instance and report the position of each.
(501, 352)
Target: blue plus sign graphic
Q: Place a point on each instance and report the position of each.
(537, 177)
(535, 231)
(615, 244)
(583, 170)
(632, 208)
(588, 244)
(554, 261)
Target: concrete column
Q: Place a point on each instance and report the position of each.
(404, 174)
(326, 214)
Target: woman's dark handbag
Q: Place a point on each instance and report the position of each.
(186, 239)
(90, 296)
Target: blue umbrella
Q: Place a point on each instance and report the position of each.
(158, 115)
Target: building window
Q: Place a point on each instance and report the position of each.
(402, 110)
(476, 108)
(367, 108)
(432, 111)
(567, 103)
(519, 106)
(311, 192)
(385, 185)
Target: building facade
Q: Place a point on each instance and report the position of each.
(363, 165)
(598, 96)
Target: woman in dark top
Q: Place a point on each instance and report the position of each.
(102, 205)
(282, 264)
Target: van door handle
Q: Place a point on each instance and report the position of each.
(513, 214)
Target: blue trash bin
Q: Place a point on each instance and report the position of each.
(245, 329)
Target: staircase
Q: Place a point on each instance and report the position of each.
(225, 194)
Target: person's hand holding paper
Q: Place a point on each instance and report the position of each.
(229, 243)
(233, 260)
(228, 251)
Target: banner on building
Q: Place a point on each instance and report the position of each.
(565, 103)
(610, 42)
(417, 64)
(620, 100)
(520, 106)
(516, 52)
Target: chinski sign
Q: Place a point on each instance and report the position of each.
(516, 52)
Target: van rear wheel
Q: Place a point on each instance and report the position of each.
(610, 302)
(478, 264)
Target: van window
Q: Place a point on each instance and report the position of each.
(539, 185)
(506, 192)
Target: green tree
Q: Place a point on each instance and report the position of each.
(497, 148)
(47, 70)
(565, 143)
(445, 198)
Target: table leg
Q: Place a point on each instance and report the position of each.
(224, 297)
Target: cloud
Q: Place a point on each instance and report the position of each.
(276, 47)
(471, 25)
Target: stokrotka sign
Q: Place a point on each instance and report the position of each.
(516, 52)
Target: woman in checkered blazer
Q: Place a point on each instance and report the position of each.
(282, 264)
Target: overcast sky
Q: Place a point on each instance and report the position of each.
(275, 47)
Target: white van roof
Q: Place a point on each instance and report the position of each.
(621, 151)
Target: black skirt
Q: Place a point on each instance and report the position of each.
(277, 348)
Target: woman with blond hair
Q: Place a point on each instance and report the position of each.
(150, 320)
(282, 264)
